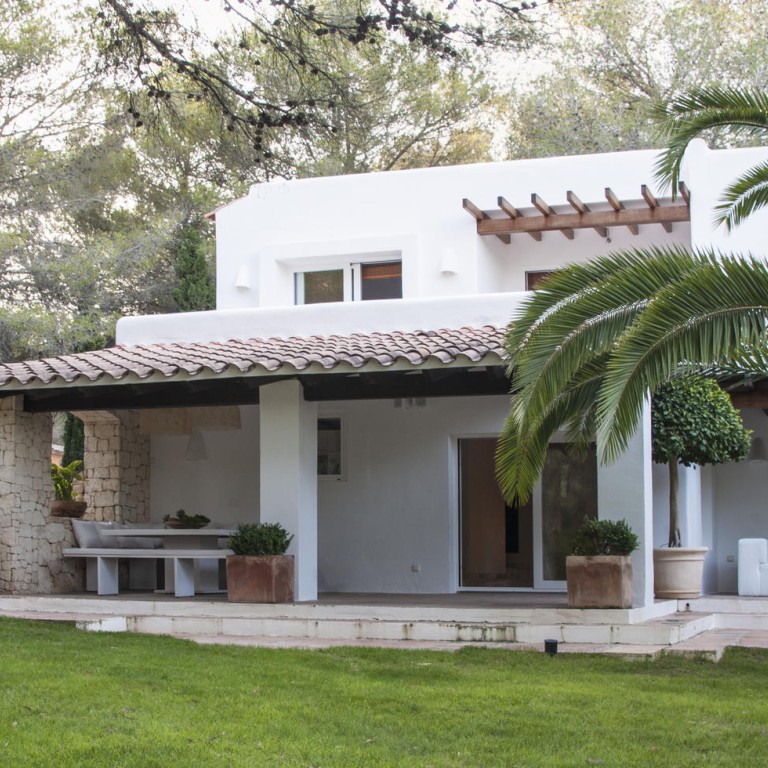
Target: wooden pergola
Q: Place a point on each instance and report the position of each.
(507, 220)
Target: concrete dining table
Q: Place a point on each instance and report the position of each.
(206, 570)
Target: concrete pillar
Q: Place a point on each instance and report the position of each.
(116, 461)
(30, 540)
(288, 474)
(689, 499)
(625, 491)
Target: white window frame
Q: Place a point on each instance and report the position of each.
(298, 282)
(352, 280)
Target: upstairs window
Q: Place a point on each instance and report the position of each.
(320, 287)
(534, 279)
(354, 282)
(381, 281)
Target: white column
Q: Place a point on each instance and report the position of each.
(689, 498)
(625, 491)
(288, 474)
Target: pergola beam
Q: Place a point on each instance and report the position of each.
(481, 215)
(653, 203)
(628, 217)
(582, 208)
(509, 220)
(617, 205)
(513, 213)
(548, 211)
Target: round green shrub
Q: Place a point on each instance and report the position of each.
(604, 537)
(694, 422)
(260, 539)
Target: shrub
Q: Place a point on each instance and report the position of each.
(260, 539)
(64, 479)
(604, 537)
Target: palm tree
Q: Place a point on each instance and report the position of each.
(587, 348)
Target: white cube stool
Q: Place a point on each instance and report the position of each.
(753, 567)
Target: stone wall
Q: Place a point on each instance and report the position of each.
(116, 463)
(116, 488)
(30, 540)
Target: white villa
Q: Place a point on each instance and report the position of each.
(350, 385)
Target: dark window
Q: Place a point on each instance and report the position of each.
(381, 281)
(533, 279)
(329, 447)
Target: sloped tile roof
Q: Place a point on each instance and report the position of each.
(273, 355)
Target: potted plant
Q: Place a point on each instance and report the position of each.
(184, 521)
(693, 422)
(599, 572)
(65, 502)
(259, 571)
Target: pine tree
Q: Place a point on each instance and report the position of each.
(196, 289)
(74, 440)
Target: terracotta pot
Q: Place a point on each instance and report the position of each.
(262, 579)
(677, 572)
(68, 508)
(599, 581)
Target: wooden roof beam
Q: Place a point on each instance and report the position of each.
(513, 213)
(481, 215)
(473, 209)
(624, 217)
(617, 205)
(547, 212)
(583, 208)
(653, 203)
(685, 193)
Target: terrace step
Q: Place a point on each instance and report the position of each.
(321, 623)
(658, 632)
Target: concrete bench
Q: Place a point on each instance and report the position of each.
(183, 564)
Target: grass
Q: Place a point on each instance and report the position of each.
(69, 698)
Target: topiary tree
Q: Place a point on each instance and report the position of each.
(694, 422)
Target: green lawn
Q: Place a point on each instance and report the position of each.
(69, 698)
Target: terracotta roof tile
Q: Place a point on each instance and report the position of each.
(286, 355)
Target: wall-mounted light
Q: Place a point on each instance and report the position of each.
(243, 279)
(196, 450)
(449, 262)
(757, 453)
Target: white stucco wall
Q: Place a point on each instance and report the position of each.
(625, 492)
(740, 492)
(224, 487)
(708, 173)
(391, 523)
(396, 506)
(321, 319)
(287, 226)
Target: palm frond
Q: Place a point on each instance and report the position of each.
(588, 362)
(744, 196)
(716, 312)
(743, 111)
(522, 445)
(606, 298)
